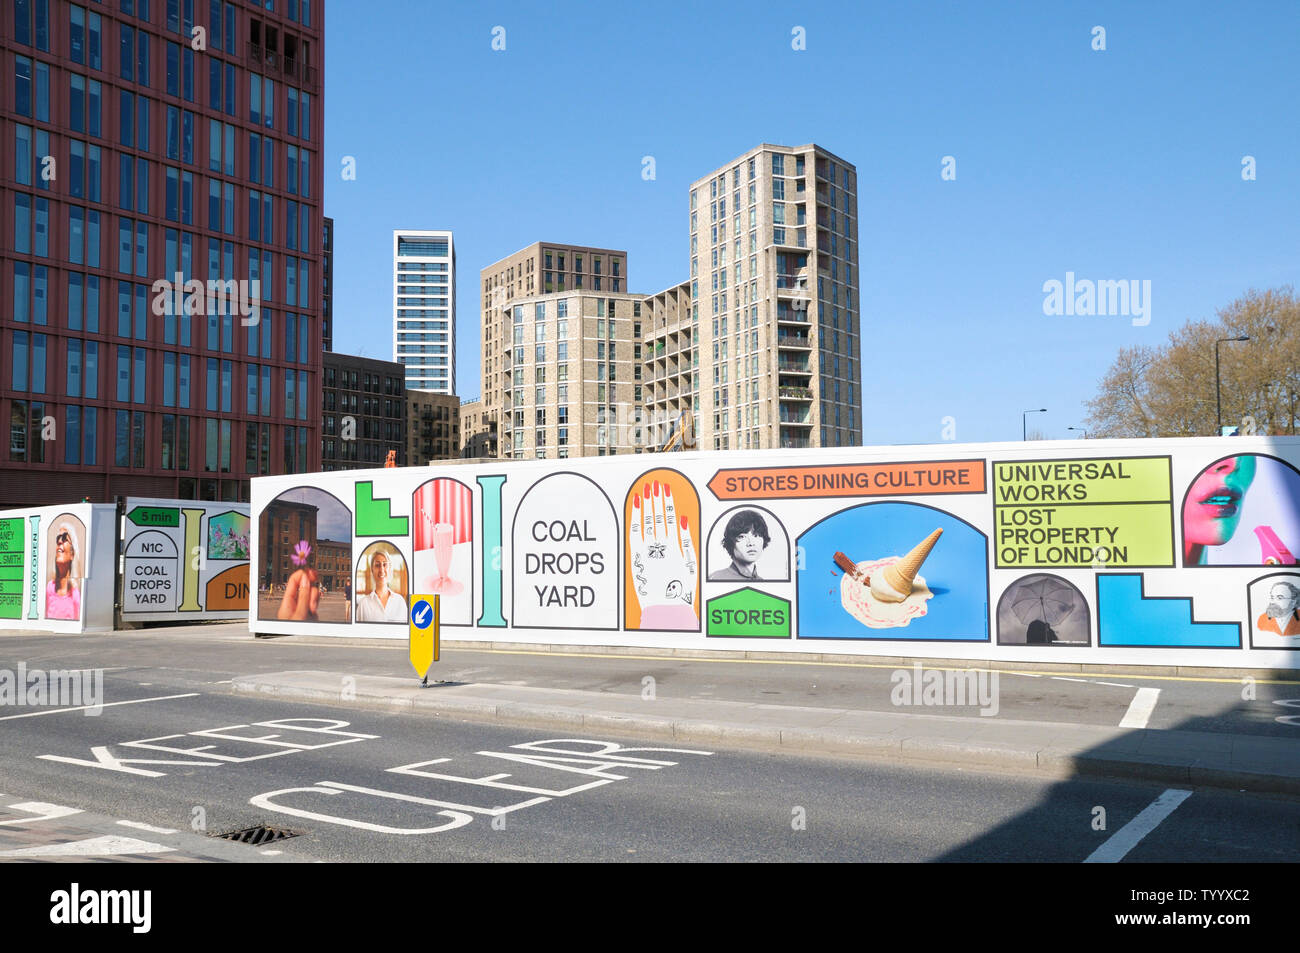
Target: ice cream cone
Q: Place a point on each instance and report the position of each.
(901, 574)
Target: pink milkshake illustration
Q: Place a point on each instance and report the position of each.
(444, 535)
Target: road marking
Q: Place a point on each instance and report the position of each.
(107, 846)
(1115, 684)
(1140, 708)
(42, 810)
(147, 827)
(1062, 678)
(1128, 836)
(133, 701)
(271, 853)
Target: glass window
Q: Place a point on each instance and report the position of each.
(40, 294)
(23, 85)
(72, 435)
(126, 52)
(23, 223)
(94, 34)
(42, 92)
(255, 97)
(23, 154)
(21, 359)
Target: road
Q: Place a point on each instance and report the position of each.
(590, 799)
(206, 656)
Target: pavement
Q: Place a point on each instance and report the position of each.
(1252, 762)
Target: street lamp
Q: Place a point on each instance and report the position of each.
(1218, 392)
(1024, 417)
(1081, 430)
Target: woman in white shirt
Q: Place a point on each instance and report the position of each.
(380, 604)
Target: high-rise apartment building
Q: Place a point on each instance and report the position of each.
(671, 358)
(574, 376)
(159, 246)
(774, 315)
(541, 268)
(363, 412)
(424, 309)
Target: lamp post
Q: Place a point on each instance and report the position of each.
(1024, 417)
(1218, 390)
(1081, 430)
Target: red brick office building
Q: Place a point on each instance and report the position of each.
(140, 139)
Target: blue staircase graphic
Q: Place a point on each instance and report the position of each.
(1126, 617)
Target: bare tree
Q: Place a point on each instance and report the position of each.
(1170, 391)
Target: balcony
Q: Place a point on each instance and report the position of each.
(796, 416)
(795, 393)
(794, 443)
(793, 341)
(794, 367)
(293, 69)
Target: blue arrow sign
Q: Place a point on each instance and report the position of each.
(422, 614)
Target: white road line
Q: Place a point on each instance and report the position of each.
(147, 827)
(43, 811)
(109, 845)
(1140, 708)
(1127, 837)
(1062, 678)
(271, 853)
(133, 701)
(1114, 684)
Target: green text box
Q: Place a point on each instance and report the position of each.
(1090, 480)
(1084, 537)
(749, 614)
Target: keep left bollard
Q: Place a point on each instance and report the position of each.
(425, 640)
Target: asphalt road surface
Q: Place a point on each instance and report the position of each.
(210, 762)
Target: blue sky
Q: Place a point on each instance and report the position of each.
(1117, 164)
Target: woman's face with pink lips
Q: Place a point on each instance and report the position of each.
(1213, 506)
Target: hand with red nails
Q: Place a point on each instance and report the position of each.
(663, 564)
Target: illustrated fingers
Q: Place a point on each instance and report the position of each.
(670, 513)
(647, 515)
(661, 532)
(634, 529)
(688, 549)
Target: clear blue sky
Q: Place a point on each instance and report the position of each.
(1122, 164)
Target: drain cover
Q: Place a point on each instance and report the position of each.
(257, 835)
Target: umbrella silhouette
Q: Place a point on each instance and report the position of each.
(1047, 600)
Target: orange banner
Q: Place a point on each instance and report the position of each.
(929, 478)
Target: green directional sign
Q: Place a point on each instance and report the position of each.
(11, 568)
(749, 614)
(155, 516)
